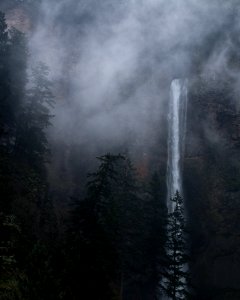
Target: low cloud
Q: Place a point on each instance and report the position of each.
(114, 61)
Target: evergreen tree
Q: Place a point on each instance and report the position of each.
(176, 277)
(24, 118)
(92, 257)
(106, 232)
(13, 57)
(31, 142)
(31, 153)
(13, 66)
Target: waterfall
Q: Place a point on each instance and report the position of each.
(176, 137)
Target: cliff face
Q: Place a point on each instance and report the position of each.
(211, 173)
(212, 187)
(19, 14)
(19, 19)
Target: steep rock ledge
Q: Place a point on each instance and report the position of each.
(212, 185)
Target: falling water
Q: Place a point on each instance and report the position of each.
(176, 137)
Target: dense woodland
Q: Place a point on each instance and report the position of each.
(118, 241)
(106, 233)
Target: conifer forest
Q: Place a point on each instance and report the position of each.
(119, 150)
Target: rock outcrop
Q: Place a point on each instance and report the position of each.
(212, 187)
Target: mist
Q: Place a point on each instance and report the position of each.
(113, 62)
(119, 149)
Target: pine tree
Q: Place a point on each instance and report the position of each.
(13, 79)
(176, 276)
(31, 142)
(92, 257)
(13, 64)
(107, 230)
(24, 118)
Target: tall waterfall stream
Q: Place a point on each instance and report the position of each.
(176, 137)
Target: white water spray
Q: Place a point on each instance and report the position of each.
(176, 137)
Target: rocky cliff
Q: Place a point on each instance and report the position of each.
(19, 14)
(212, 187)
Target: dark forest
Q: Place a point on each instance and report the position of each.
(119, 150)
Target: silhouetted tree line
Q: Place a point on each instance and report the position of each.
(125, 243)
(119, 242)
